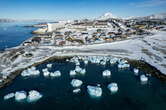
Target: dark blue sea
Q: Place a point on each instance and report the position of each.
(12, 34)
(57, 92)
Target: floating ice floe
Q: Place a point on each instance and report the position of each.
(30, 72)
(78, 69)
(72, 73)
(106, 73)
(46, 73)
(49, 65)
(136, 71)
(103, 62)
(85, 62)
(20, 95)
(77, 90)
(123, 64)
(9, 96)
(113, 87)
(33, 96)
(76, 83)
(94, 91)
(83, 71)
(113, 60)
(143, 78)
(55, 74)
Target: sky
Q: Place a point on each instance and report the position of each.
(78, 9)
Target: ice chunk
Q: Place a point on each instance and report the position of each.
(94, 91)
(83, 71)
(56, 74)
(123, 66)
(136, 71)
(113, 87)
(76, 83)
(49, 65)
(73, 73)
(113, 60)
(8, 96)
(33, 96)
(85, 62)
(76, 90)
(46, 73)
(106, 73)
(143, 78)
(78, 69)
(30, 72)
(20, 95)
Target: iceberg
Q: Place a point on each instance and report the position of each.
(143, 78)
(46, 73)
(72, 73)
(113, 60)
(123, 66)
(8, 96)
(76, 83)
(113, 87)
(33, 96)
(85, 62)
(94, 91)
(56, 74)
(136, 71)
(78, 69)
(49, 65)
(83, 71)
(20, 95)
(77, 90)
(30, 72)
(106, 73)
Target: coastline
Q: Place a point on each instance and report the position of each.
(115, 49)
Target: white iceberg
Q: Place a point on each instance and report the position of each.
(78, 69)
(143, 78)
(56, 74)
(9, 96)
(83, 71)
(106, 73)
(30, 72)
(20, 95)
(76, 83)
(113, 87)
(46, 73)
(76, 90)
(136, 71)
(85, 62)
(123, 65)
(113, 60)
(33, 96)
(94, 91)
(49, 65)
(72, 73)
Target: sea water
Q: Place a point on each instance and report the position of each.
(58, 92)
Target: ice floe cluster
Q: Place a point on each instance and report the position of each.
(93, 91)
(30, 72)
(32, 96)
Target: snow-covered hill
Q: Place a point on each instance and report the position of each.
(107, 16)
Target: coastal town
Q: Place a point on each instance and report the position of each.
(104, 36)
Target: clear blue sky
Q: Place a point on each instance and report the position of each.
(73, 9)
